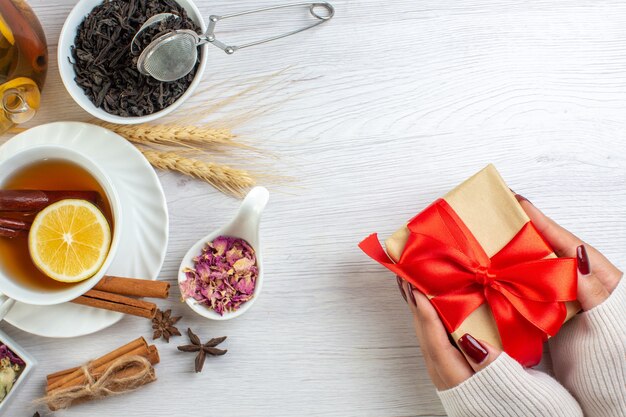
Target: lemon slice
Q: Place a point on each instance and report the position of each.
(69, 240)
(6, 31)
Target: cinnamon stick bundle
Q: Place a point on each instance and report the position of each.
(37, 200)
(75, 376)
(122, 370)
(118, 303)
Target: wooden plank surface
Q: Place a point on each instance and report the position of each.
(378, 113)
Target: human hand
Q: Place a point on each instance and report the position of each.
(446, 366)
(597, 277)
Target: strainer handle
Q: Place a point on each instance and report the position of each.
(229, 49)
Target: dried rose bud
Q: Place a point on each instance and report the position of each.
(224, 275)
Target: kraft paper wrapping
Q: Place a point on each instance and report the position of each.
(489, 209)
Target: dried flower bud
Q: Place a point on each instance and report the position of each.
(224, 275)
(11, 366)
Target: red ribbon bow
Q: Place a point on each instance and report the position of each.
(525, 291)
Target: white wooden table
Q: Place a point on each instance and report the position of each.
(385, 108)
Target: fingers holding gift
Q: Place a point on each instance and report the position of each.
(432, 371)
(566, 244)
(439, 354)
(430, 366)
(479, 353)
(562, 241)
(400, 287)
(591, 291)
(408, 291)
(442, 358)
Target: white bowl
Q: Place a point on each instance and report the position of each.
(30, 364)
(64, 55)
(245, 225)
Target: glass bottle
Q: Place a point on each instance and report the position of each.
(23, 63)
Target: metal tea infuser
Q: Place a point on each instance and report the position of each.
(173, 55)
(157, 18)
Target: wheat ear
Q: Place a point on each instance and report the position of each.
(226, 179)
(175, 134)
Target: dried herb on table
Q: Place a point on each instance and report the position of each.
(105, 66)
(11, 367)
(223, 276)
(163, 325)
(207, 348)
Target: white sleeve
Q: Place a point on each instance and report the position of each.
(506, 389)
(589, 356)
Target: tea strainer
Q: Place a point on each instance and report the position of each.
(156, 19)
(173, 55)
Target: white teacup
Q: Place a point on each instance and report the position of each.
(13, 289)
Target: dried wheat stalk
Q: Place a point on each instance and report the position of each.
(177, 144)
(228, 180)
(175, 134)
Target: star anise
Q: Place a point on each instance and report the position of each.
(163, 325)
(203, 349)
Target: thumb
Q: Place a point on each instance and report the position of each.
(479, 354)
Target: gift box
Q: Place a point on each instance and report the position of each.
(484, 267)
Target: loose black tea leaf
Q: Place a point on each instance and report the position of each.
(105, 67)
(203, 350)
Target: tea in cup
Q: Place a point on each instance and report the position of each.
(36, 177)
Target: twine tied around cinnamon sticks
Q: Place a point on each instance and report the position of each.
(124, 375)
(119, 371)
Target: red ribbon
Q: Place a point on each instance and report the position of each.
(525, 291)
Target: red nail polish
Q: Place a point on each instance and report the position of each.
(473, 348)
(401, 289)
(411, 296)
(584, 267)
(521, 197)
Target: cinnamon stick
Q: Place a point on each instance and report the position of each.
(10, 233)
(134, 287)
(108, 358)
(14, 224)
(118, 303)
(126, 374)
(149, 352)
(56, 376)
(37, 200)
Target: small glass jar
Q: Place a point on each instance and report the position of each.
(23, 63)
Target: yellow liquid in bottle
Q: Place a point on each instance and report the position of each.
(23, 62)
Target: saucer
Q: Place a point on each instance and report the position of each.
(144, 232)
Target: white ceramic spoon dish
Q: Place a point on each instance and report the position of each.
(245, 225)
